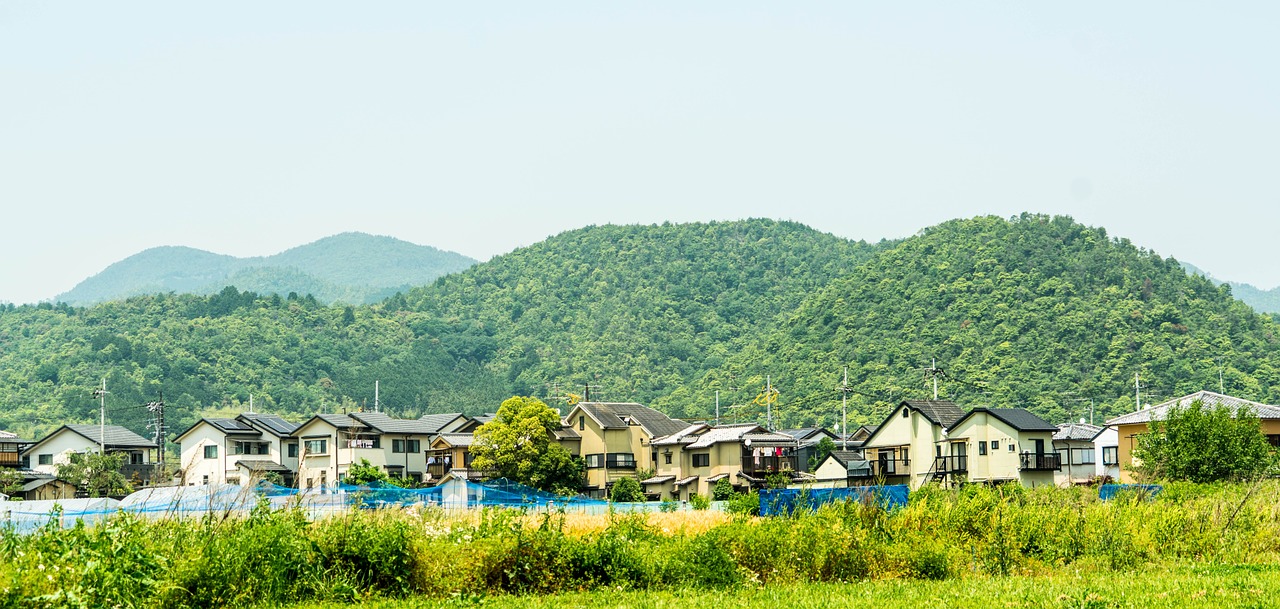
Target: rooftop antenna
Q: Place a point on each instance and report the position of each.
(101, 394)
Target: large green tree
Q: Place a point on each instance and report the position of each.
(96, 474)
(1203, 444)
(517, 445)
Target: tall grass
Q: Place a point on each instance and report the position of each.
(280, 556)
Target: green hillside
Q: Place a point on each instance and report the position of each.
(640, 311)
(1036, 312)
(1263, 301)
(353, 268)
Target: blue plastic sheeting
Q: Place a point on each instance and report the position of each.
(784, 501)
(226, 499)
(1109, 491)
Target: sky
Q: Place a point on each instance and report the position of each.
(246, 128)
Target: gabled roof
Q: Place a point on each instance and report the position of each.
(270, 423)
(808, 433)
(616, 415)
(384, 424)
(1076, 432)
(340, 421)
(116, 436)
(1207, 398)
(704, 436)
(224, 426)
(846, 457)
(943, 413)
(458, 440)
(566, 433)
(261, 465)
(438, 422)
(1018, 418)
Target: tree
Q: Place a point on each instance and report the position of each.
(363, 473)
(96, 474)
(626, 490)
(723, 490)
(821, 450)
(1203, 444)
(11, 481)
(517, 445)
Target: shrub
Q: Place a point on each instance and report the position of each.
(699, 502)
(669, 505)
(723, 490)
(747, 504)
(626, 490)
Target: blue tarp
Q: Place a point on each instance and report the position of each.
(783, 501)
(1109, 491)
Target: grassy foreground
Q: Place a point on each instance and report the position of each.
(1041, 547)
(1237, 586)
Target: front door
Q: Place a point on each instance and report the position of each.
(1039, 447)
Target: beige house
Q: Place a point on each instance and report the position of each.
(997, 445)
(1129, 426)
(842, 469)
(140, 467)
(614, 439)
(239, 450)
(692, 460)
(902, 448)
(331, 443)
(451, 453)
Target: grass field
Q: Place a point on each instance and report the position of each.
(1218, 586)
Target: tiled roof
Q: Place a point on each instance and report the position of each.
(807, 433)
(458, 439)
(116, 436)
(685, 481)
(658, 480)
(439, 421)
(273, 424)
(704, 436)
(944, 413)
(1018, 418)
(341, 421)
(484, 418)
(1076, 431)
(567, 433)
(717, 477)
(6, 434)
(385, 424)
(1207, 398)
(261, 465)
(614, 415)
(847, 456)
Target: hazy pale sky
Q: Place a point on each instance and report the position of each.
(246, 128)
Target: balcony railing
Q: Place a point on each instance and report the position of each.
(10, 459)
(951, 464)
(620, 461)
(884, 468)
(1040, 461)
(146, 472)
(753, 465)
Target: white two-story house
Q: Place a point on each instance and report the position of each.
(248, 448)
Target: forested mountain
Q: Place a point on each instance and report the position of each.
(639, 311)
(1263, 301)
(1036, 312)
(352, 268)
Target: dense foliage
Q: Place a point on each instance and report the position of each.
(1038, 312)
(517, 445)
(352, 268)
(274, 557)
(1202, 444)
(96, 474)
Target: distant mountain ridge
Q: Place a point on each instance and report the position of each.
(351, 268)
(1262, 301)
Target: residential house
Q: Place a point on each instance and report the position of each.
(842, 469)
(902, 448)
(692, 460)
(997, 445)
(1106, 449)
(1079, 457)
(331, 443)
(66, 442)
(246, 448)
(807, 439)
(614, 439)
(11, 449)
(451, 453)
(39, 487)
(1129, 426)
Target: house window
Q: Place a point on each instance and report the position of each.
(1273, 439)
(582, 423)
(292, 449)
(45, 459)
(1011, 447)
(413, 446)
(135, 458)
(702, 460)
(316, 447)
(667, 457)
(620, 461)
(995, 445)
(905, 414)
(211, 451)
(234, 480)
(1082, 456)
(205, 480)
(397, 446)
(1110, 455)
(466, 459)
(595, 460)
(982, 448)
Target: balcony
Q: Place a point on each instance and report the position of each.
(955, 464)
(884, 468)
(752, 465)
(620, 461)
(1040, 462)
(144, 472)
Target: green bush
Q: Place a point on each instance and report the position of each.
(747, 504)
(669, 505)
(699, 502)
(723, 490)
(626, 490)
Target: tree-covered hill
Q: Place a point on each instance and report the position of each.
(1037, 312)
(353, 268)
(639, 311)
(1263, 301)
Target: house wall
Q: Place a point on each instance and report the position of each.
(1127, 439)
(831, 470)
(595, 440)
(1000, 464)
(914, 431)
(57, 489)
(1073, 470)
(1107, 438)
(60, 446)
(311, 467)
(195, 467)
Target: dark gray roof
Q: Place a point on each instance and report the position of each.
(341, 421)
(273, 424)
(116, 436)
(232, 426)
(261, 465)
(484, 418)
(1076, 431)
(847, 456)
(611, 415)
(458, 439)
(1206, 398)
(566, 433)
(1017, 418)
(439, 421)
(808, 433)
(385, 424)
(944, 413)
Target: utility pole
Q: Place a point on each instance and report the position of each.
(1137, 391)
(375, 396)
(717, 408)
(768, 401)
(934, 371)
(250, 403)
(844, 410)
(101, 394)
(157, 410)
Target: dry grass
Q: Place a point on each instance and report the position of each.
(580, 524)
